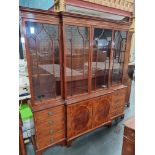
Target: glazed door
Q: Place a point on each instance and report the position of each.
(101, 110)
(77, 59)
(42, 45)
(100, 64)
(79, 118)
(119, 49)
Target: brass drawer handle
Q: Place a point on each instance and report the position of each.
(52, 139)
(51, 131)
(50, 122)
(50, 113)
(132, 134)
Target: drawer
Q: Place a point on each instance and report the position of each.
(50, 122)
(49, 140)
(116, 106)
(50, 131)
(120, 92)
(128, 147)
(118, 102)
(117, 111)
(129, 133)
(41, 116)
(119, 98)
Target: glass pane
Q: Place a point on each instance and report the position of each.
(101, 55)
(119, 47)
(77, 49)
(43, 48)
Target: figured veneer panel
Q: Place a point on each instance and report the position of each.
(79, 118)
(101, 110)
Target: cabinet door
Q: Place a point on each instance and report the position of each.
(119, 49)
(77, 49)
(43, 60)
(101, 110)
(79, 118)
(101, 57)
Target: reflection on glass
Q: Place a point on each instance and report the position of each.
(77, 49)
(101, 55)
(43, 48)
(118, 56)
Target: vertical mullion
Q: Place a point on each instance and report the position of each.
(111, 61)
(38, 72)
(60, 44)
(90, 59)
(105, 68)
(126, 56)
(64, 59)
(96, 67)
(71, 41)
(53, 61)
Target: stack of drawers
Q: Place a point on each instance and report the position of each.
(118, 103)
(49, 126)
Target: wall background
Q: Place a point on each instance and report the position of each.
(38, 4)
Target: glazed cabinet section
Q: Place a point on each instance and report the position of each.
(49, 126)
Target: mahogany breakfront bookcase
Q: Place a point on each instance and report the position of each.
(77, 66)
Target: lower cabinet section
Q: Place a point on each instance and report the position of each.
(65, 123)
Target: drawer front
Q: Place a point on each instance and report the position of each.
(50, 122)
(49, 140)
(101, 109)
(119, 98)
(117, 112)
(128, 147)
(48, 113)
(120, 92)
(129, 133)
(50, 131)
